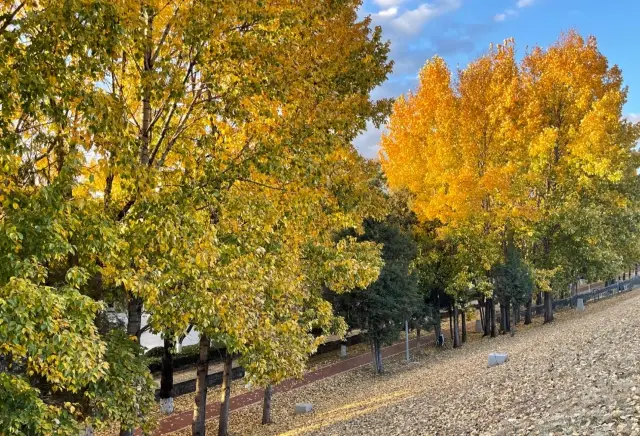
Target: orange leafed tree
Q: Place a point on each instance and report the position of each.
(536, 150)
(455, 144)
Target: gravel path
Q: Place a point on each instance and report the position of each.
(579, 375)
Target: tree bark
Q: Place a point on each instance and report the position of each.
(456, 330)
(197, 425)
(266, 405)
(166, 378)
(464, 325)
(507, 316)
(548, 307)
(451, 325)
(417, 339)
(487, 316)
(225, 396)
(493, 320)
(529, 313)
(377, 356)
(134, 317)
(438, 327)
(539, 309)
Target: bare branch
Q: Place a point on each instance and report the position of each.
(165, 33)
(179, 130)
(277, 188)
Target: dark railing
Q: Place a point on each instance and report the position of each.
(215, 379)
(593, 295)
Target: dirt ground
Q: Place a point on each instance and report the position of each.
(578, 375)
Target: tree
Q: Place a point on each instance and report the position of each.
(537, 149)
(513, 284)
(52, 54)
(581, 151)
(193, 160)
(382, 308)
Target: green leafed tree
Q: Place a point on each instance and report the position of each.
(513, 285)
(382, 308)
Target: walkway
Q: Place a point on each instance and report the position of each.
(181, 420)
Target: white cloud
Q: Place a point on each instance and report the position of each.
(503, 16)
(634, 118)
(411, 22)
(387, 3)
(368, 141)
(524, 3)
(386, 13)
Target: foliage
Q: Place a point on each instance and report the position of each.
(194, 158)
(535, 150)
(513, 281)
(60, 370)
(382, 307)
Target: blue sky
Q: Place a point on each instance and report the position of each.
(461, 30)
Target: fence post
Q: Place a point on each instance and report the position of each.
(406, 331)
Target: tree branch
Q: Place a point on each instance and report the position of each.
(8, 18)
(276, 188)
(179, 130)
(124, 210)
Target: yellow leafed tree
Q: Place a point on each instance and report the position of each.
(535, 151)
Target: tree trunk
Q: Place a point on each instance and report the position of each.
(225, 396)
(539, 309)
(493, 319)
(516, 311)
(134, 317)
(438, 327)
(482, 316)
(529, 313)
(197, 425)
(451, 325)
(417, 339)
(507, 316)
(548, 307)
(487, 316)
(377, 356)
(134, 324)
(456, 330)
(166, 378)
(266, 406)
(464, 326)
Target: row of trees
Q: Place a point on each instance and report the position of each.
(511, 182)
(192, 158)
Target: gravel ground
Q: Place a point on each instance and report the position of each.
(578, 375)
